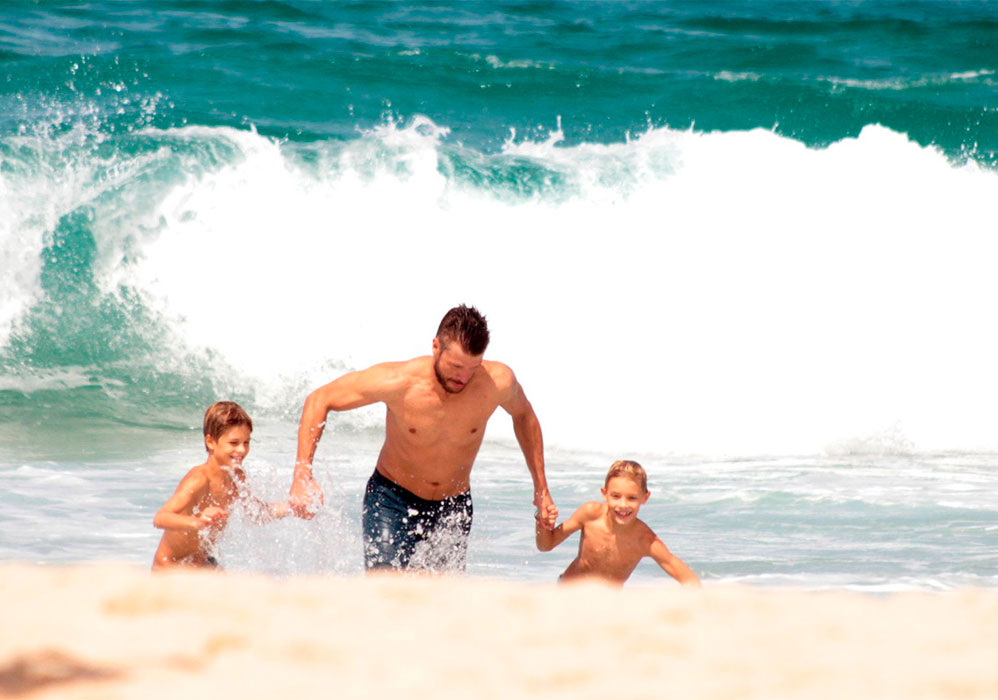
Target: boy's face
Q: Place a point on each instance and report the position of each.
(231, 447)
(625, 497)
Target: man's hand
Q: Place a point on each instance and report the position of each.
(547, 512)
(305, 491)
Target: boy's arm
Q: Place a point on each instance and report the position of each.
(673, 565)
(261, 512)
(279, 510)
(191, 490)
(549, 539)
(352, 390)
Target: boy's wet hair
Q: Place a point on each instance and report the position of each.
(223, 415)
(632, 470)
(466, 325)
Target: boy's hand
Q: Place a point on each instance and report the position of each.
(305, 491)
(212, 516)
(547, 512)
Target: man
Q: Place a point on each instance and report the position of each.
(417, 506)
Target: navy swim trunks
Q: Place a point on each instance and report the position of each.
(404, 531)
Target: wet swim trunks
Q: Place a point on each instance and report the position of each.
(404, 531)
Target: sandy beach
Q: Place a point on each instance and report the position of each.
(116, 631)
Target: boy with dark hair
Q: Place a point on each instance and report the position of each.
(196, 513)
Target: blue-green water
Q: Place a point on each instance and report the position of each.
(308, 71)
(752, 243)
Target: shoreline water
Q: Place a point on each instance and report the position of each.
(863, 521)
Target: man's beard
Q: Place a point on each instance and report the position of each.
(443, 382)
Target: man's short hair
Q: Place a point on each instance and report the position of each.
(632, 470)
(466, 325)
(223, 415)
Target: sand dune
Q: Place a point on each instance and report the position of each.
(113, 631)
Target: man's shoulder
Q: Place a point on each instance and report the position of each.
(401, 371)
(398, 380)
(500, 373)
(412, 365)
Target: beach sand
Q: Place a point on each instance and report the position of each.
(115, 631)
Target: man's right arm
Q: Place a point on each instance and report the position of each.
(549, 539)
(352, 390)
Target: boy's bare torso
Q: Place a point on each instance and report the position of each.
(216, 487)
(431, 436)
(609, 552)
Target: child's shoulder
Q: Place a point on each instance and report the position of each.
(644, 533)
(590, 511)
(196, 477)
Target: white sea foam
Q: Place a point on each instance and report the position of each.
(28, 208)
(687, 292)
(737, 77)
(51, 380)
(498, 63)
(51, 172)
(983, 75)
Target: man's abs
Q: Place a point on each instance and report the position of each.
(432, 471)
(431, 482)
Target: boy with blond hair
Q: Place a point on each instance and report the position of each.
(613, 539)
(196, 513)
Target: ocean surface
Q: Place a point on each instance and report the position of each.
(752, 245)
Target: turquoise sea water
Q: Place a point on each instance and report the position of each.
(751, 244)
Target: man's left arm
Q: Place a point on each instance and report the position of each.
(527, 428)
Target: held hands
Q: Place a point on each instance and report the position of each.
(547, 512)
(305, 496)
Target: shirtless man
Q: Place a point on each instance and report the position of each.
(417, 506)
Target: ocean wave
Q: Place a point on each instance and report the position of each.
(724, 291)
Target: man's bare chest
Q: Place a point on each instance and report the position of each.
(424, 417)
